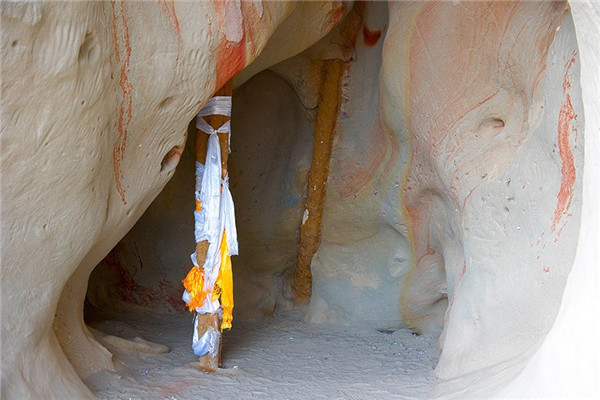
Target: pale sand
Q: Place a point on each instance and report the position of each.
(278, 358)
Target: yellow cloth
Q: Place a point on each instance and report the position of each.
(224, 284)
(194, 284)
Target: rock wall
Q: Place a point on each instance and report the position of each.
(454, 199)
(96, 98)
(454, 195)
(492, 192)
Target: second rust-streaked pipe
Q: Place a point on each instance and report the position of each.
(310, 231)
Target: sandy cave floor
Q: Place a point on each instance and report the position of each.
(278, 358)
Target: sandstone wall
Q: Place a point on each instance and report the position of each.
(454, 200)
(96, 99)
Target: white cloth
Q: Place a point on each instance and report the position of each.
(207, 343)
(217, 209)
(218, 105)
(208, 307)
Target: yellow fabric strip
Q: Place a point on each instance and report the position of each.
(194, 284)
(225, 284)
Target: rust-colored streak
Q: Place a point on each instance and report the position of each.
(310, 231)
(336, 15)
(169, 8)
(350, 29)
(231, 58)
(131, 292)
(370, 38)
(568, 172)
(114, 31)
(465, 71)
(375, 148)
(125, 100)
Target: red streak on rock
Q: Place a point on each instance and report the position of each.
(231, 56)
(336, 15)
(231, 59)
(568, 172)
(371, 37)
(169, 8)
(131, 292)
(125, 102)
(114, 31)
(219, 6)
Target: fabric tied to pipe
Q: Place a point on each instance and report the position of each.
(218, 105)
(217, 214)
(214, 222)
(207, 343)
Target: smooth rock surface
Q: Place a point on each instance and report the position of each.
(96, 99)
(458, 180)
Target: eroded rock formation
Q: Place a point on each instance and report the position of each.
(455, 190)
(98, 107)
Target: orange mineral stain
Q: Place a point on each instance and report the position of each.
(568, 172)
(374, 153)
(169, 8)
(370, 37)
(125, 100)
(114, 31)
(231, 58)
(336, 15)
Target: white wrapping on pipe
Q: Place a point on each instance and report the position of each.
(208, 307)
(199, 174)
(218, 105)
(210, 193)
(217, 209)
(186, 296)
(207, 343)
(228, 218)
(206, 128)
(226, 223)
